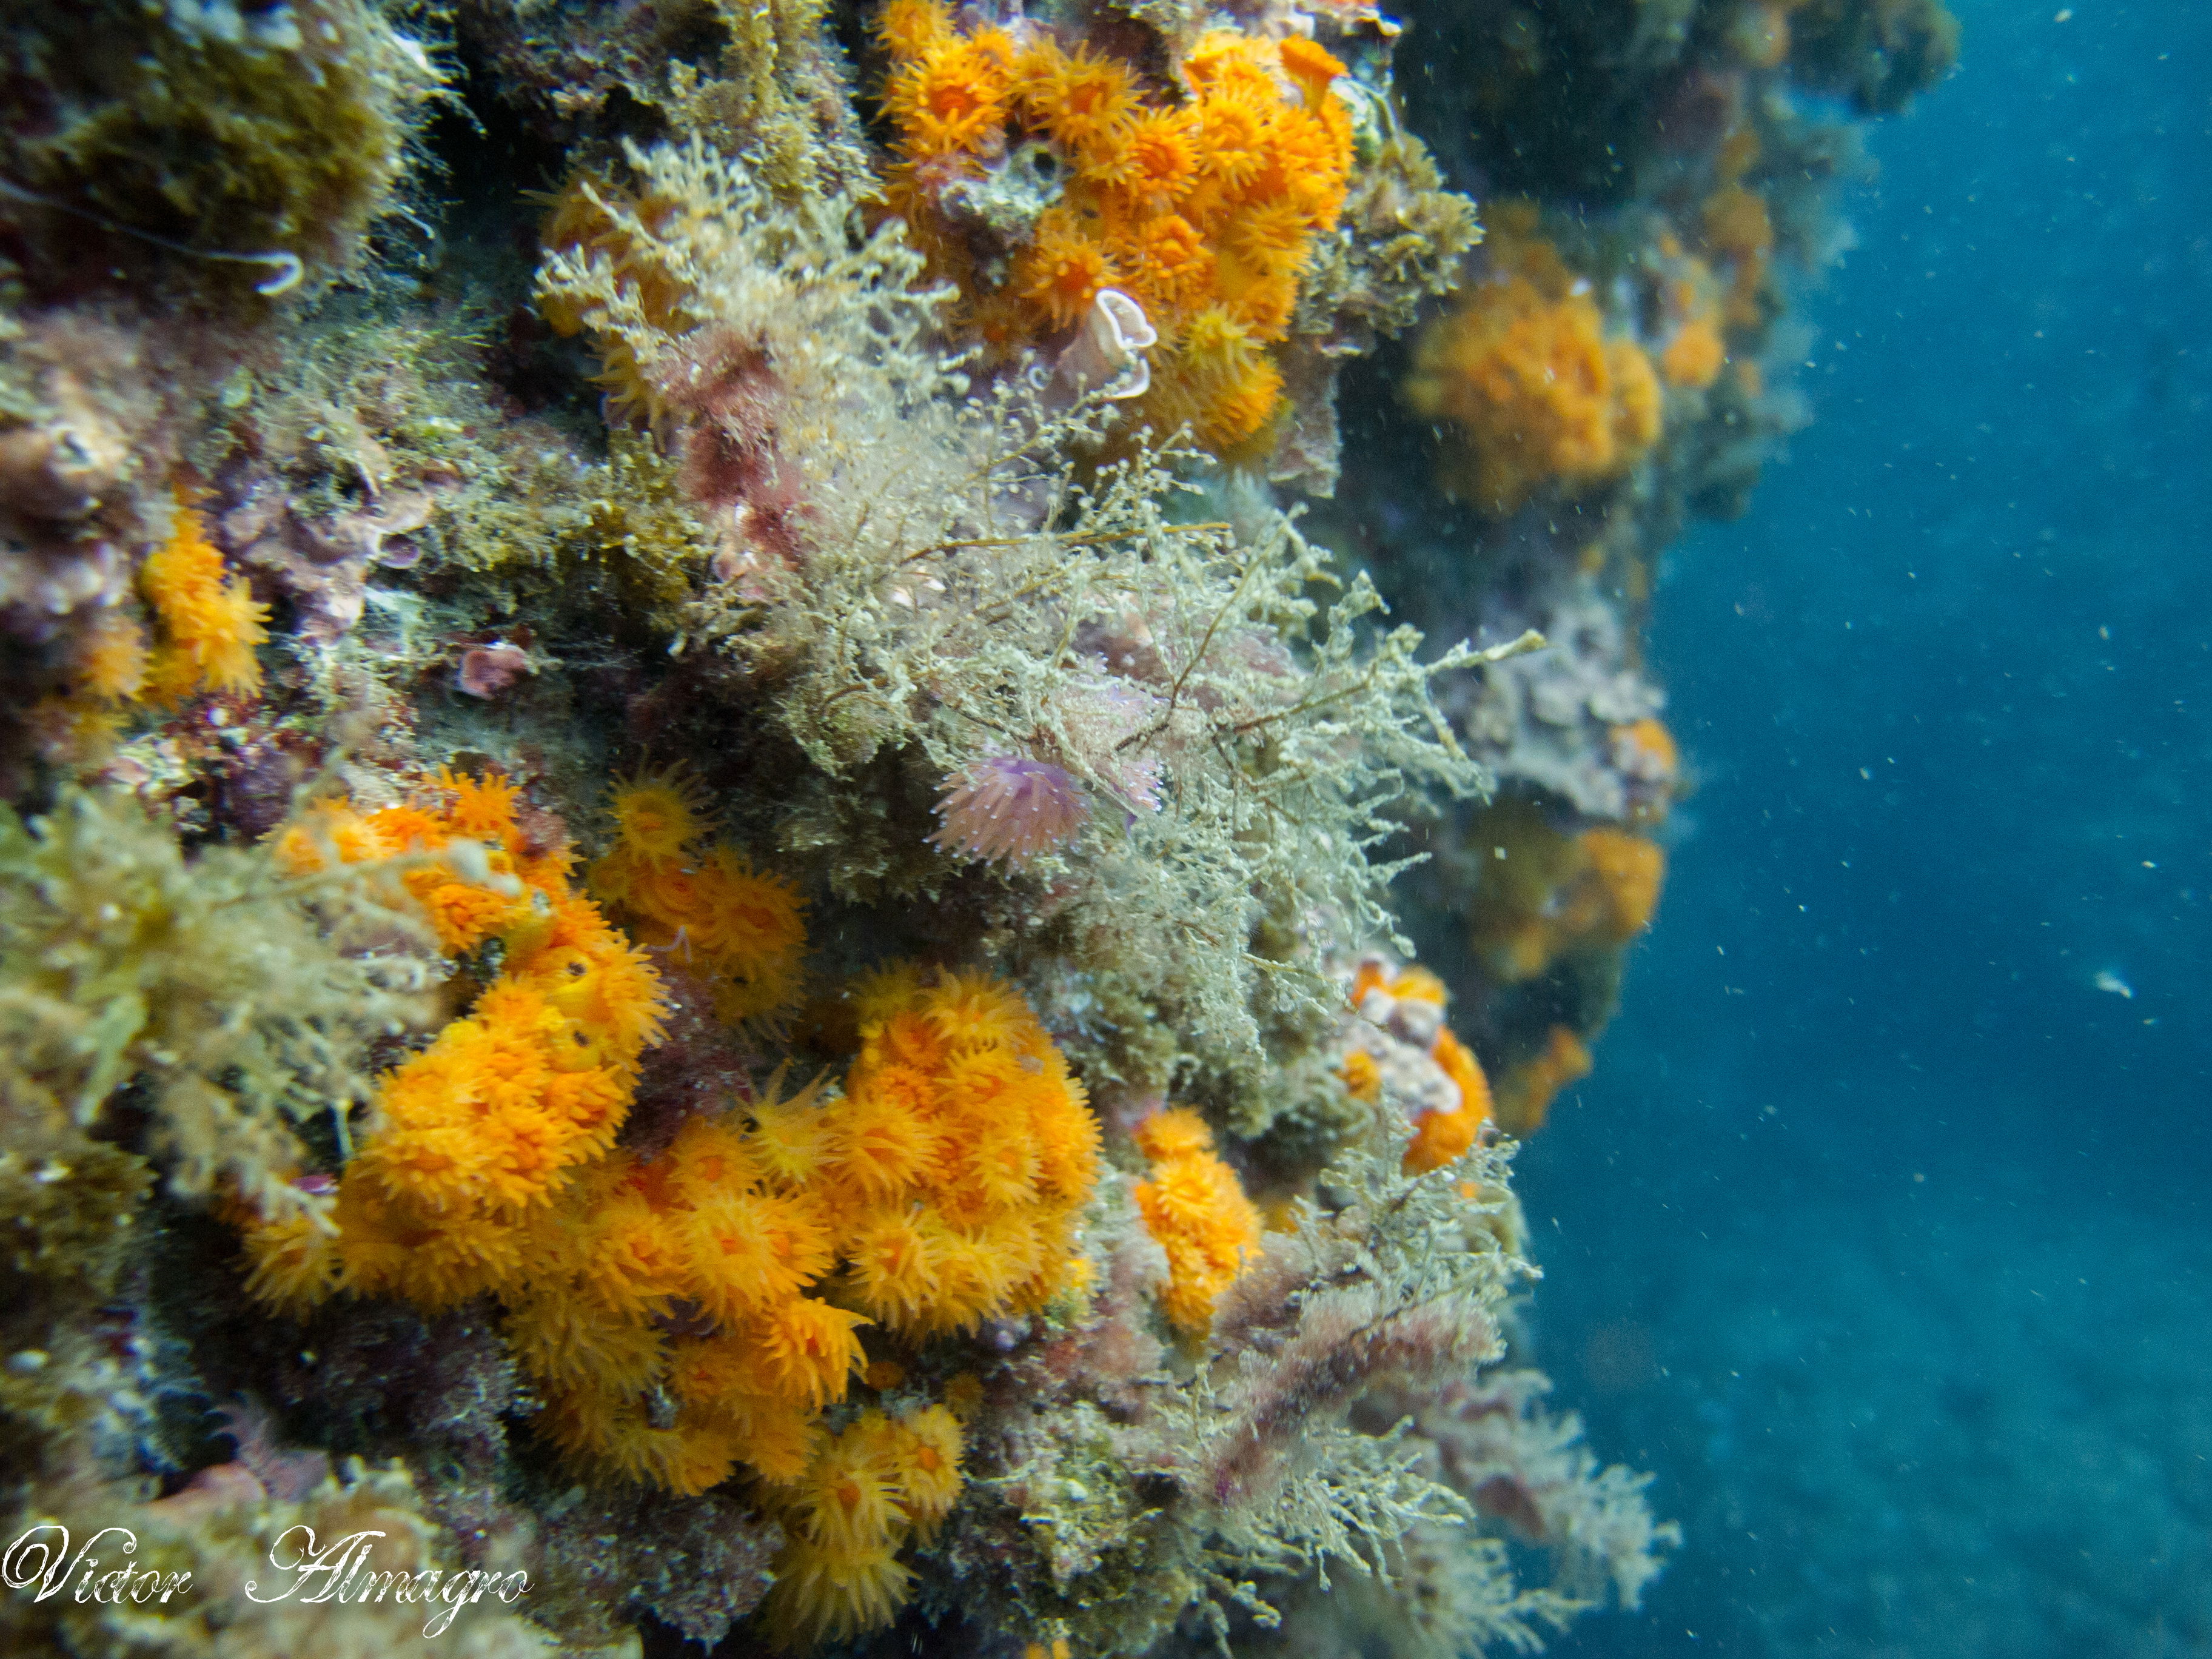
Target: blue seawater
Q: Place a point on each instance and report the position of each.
(1882, 1228)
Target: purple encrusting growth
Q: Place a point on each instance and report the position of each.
(1009, 807)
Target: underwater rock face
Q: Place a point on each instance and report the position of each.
(708, 832)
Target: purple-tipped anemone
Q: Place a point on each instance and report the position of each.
(1007, 806)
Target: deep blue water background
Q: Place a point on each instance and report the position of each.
(1881, 1230)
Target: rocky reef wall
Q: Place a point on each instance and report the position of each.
(725, 730)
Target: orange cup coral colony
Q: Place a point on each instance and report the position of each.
(702, 903)
(1525, 368)
(1199, 196)
(1195, 1208)
(1525, 1097)
(1560, 895)
(208, 625)
(480, 1129)
(686, 1313)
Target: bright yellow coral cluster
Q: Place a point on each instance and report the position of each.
(208, 625)
(939, 1190)
(472, 1137)
(1195, 1207)
(701, 903)
(971, 1151)
(710, 1225)
(1524, 368)
(1203, 204)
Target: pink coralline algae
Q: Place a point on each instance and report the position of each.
(1007, 806)
(486, 671)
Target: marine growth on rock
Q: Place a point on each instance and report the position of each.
(725, 735)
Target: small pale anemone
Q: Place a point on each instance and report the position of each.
(1009, 807)
(1108, 352)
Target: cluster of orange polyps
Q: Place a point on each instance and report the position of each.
(1203, 204)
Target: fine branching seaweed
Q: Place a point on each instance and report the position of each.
(914, 567)
(233, 1000)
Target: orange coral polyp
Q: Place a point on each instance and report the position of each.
(1312, 67)
(1695, 356)
(111, 666)
(1650, 737)
(1083, 101)
(1162, 158)
(748, 1252)
(1736, 223)
(1062, 272)
(975, 1011)
(909, 28)
(745, 916)
(792, 1139)
(1629, 870)
(927, 1456)
(1441, 1137)
(710, 1157)
(572, 1342)
(850, 1496)
(823, 1593)
(634, 1259)
(482, 807)
(811, 1349)
(1363, 1076)
(1240, 408)
(949, 101)
(295, 1266)
(883, 1146)
(1526, 1095)
(657, 813)
(895, 1270)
